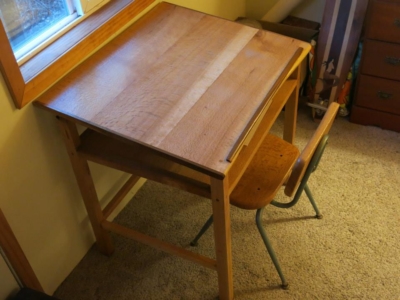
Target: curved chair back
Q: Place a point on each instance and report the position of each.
(303, 162)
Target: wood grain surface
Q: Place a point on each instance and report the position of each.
(178, 81)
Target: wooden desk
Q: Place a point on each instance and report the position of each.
(181, 98)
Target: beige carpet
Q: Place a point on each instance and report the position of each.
(352, 253)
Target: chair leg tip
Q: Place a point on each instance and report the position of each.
(285, 286)
(319, 216)
(193, 244)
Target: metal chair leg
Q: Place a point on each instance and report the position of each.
(311, 198)
(202, 231)
(269, 247)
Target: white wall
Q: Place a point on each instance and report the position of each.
(309, 9)
(38, 192)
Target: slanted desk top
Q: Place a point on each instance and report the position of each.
(179, 81)
(173, 99)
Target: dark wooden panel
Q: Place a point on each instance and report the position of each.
(385, 17)
(381, 59)
(379, 94)
(366, 116)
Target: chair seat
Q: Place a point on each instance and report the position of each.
(277, 163)
(266, 174)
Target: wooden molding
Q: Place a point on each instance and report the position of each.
(16, 256)
(9, 68)
(30, 80)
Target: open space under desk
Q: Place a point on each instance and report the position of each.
(181, 98)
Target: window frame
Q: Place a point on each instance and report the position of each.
(30, 80)
(76, 14)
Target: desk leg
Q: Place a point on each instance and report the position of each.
(222, 236)
(86, 185)
(291, 107)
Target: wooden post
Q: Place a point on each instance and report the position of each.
(222, 236)
(86, 185)
(289, 130)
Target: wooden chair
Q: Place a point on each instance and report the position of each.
(279, 163)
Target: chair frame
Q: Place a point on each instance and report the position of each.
(306, 164)
(303, 185)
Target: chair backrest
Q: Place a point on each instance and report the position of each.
(307, 154)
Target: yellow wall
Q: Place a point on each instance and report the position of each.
(228, 9)
(309, 9)
(8, 285)
(38, 192)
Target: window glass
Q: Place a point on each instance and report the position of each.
(30, 22)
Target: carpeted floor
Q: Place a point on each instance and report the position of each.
(352, 253)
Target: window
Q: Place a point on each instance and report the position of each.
(27, 80)
(30, 23)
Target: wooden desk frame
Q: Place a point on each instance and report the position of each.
(187, 106)
(103, 149)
